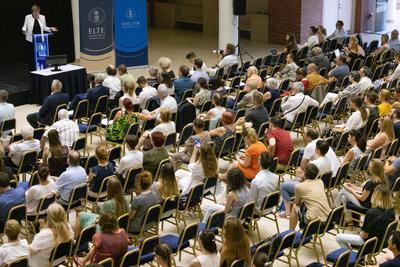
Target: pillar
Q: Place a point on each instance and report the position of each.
(75, 21)
(228, 24)
(391, 15)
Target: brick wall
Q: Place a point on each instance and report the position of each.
(293, 16)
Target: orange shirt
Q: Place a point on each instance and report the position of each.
(316, 79)
(253, 151)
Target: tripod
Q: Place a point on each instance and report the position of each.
(239, 47)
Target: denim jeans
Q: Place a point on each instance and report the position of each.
(287, 189)
(346, 240)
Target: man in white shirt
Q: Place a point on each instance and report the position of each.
(7, 110)
(133, 158)
(311, 137)
(191, 56)
(296, 103)
(147, 91)
(112, 82)
(339, 34)
(265, 181)
(226, 59)
(167, 102)
(17, 149)
(365, 81)
(67, 129)
(198, 71)
(322, 161)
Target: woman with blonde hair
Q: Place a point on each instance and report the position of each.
(203, 164)
(353, 51)
(376, 220)
(351, 192)
(385, 136)
(248, 162)
(385, 108)
(57, 230)
(165, 65)
(166, 185)
(129, 92)
(236, 244)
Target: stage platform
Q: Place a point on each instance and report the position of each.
(14, 78)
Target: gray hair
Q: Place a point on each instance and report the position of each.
(153, 71)
(272, 83)
(252, 85)
(253, 69)
(298, 86)
(162, 91)
(27, 132)
(56, 85)
(317, 51)
(3, 95)
(62, 114)
(99, 77)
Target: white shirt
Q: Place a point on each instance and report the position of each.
(132, 159)
(133, 98)
(216, 115)
(262, 185)
(18, 149)
(11, 251)
(169, 103)
(396, 73)
(364, 83)
(309, 154)
(293, 102)
(147, 93)
(228, 61)
(323, 164)
(210, 260)
(166, 128)
(36, 192)
(28, 26)
(43, 242)
(7, 111)
(203, 68)
(312, 41)
(67, 129)
(114, 84)
(354, 122)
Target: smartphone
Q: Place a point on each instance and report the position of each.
(197, 141)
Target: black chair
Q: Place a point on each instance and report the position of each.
(109, 262)
(186, 132)
(276, 107)
(80, 144)
(84, 238)
(19, 262)
(60, 253)
(149, 223)
(101, 105)
(284, 86)
(210, 187)
(92, 126)
(206, 106)
(81, 111)
(269, 207)
(186, 94)
(238, 263)
(131, 258)
(191, 202)
(27, 164)
(153, 103)
(169, 210)
(59, 107)
(170, 140)
(8, 125)
(148, 125)
(147, 249)
(261, 130)
(214, 223)
(114, 154)
(75, 199)
(129, 181)
(123, 221)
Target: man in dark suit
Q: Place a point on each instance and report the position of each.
(93, 94)
(46, 112)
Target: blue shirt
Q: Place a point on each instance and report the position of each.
(101, 172)
(68, 180)
(339, 72)
(199, 74)
(394, 44)
(10, 199)
(181, 85)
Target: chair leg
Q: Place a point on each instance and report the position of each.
(296, 257)
(315, 247)
(276, 222)
(258, 230)
(322, 250)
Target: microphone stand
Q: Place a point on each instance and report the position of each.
(240, 47)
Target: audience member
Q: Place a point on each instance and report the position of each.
(152, 157)
(365, 82)
(154, 76)
(289, 71)
(370, 100)
(202, 164)
(394, 247)
(396, 122)
(257, 115)
(340, 70)
(55, 231)
(129, 93)
(165, 186)
(133, 159)
(147, 92)
(225, 59)
(351, 90)
(264, 183)
(385, 107)
(353, 51)
(321, 34)
(46, 112)
(214, 115)
(318, 58)
(291, 43)
(209, 255)
(14, 248)
(163, 255)
(166, 81)
(358, 147)
(384, 45)
(19, 148)
(313, 38)
(116, 131)
(165, 65)
(392, 170)
(202, 95)
(7, 111)
(313, 76)
(125, 76)
(183, 83)
(144, 199)
(199, 71)
(166, 102)
(394, 42)
(253, 77)
(271, 93)
(247, 101)
(339, 34)
(384, 137)
(55, 154)
(279, 141)
(9, 198)
(357, 119)
(73, 176)
(68, 130)
(226, 130)
(112, 82)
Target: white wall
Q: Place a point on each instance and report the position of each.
(75, 19)
(330, 15)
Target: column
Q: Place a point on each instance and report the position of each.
(75, 22)
(391, 15)
(228, 24)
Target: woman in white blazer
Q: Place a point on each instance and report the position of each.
(29, 23)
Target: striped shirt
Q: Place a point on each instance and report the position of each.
(67, 130)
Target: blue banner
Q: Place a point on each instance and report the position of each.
(41, 50)
(131, 32)
(96, 33)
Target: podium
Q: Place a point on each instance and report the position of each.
(40, 50)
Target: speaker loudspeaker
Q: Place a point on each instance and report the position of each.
(239, 7)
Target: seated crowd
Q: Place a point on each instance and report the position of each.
(216, 143)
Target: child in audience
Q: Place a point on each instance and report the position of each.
(14, 248)
(163, 255)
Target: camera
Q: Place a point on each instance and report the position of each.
(218, 51)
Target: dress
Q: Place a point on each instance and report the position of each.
(110, 245)
(117, 130)
(100, 173)
(219, 140)
(57, 165)
(253, 151)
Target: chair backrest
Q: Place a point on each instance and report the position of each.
(247, 211)
(79, 192)
(257, 62)
(299, 120)
(114, 153)
(60, 251)
(276, 107)
(189, 233)
(170, 140)
(149, 244)
(169, 204)
(133, 129)
(220, 72)
(152, 216)
(388, 232)
(112, 114)
(377, 153)
(326, 108)
(341, 174)
(326, 177)
(373, 129)
(129, 183)
(343, 260)
(311, 114)
(90, 163)
(195, 196)
(287, 242)
(131, 258)
(19, 262)
(210, 182)
(149, 124)
(367, 248)
(123, 221)
(109, 262)
(81, 110)
(28, 161)
(101, 104)
(238, 263)
(95, 120)
(7, 125)
(34, 180)
(238, 141)
(79, 143)
(261, 130)
(160, 164)
(393, 148)
(206, 106)
(245, 66)
(335, 218)
(295, 159)
(270, 201)
(17, 213)
(227, 146)
(58, 108)
(362, 163)
(186, 94)
(343, 141)
(216, 220)
(341, 105)
(84, 238)
(323, 72)
(311, 229)
(235, 82)
(187, 131)
(284, 86)
(396, 186)
(44, 203)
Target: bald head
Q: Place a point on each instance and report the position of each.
(56, 86)
(74, 158)
(312, 68)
